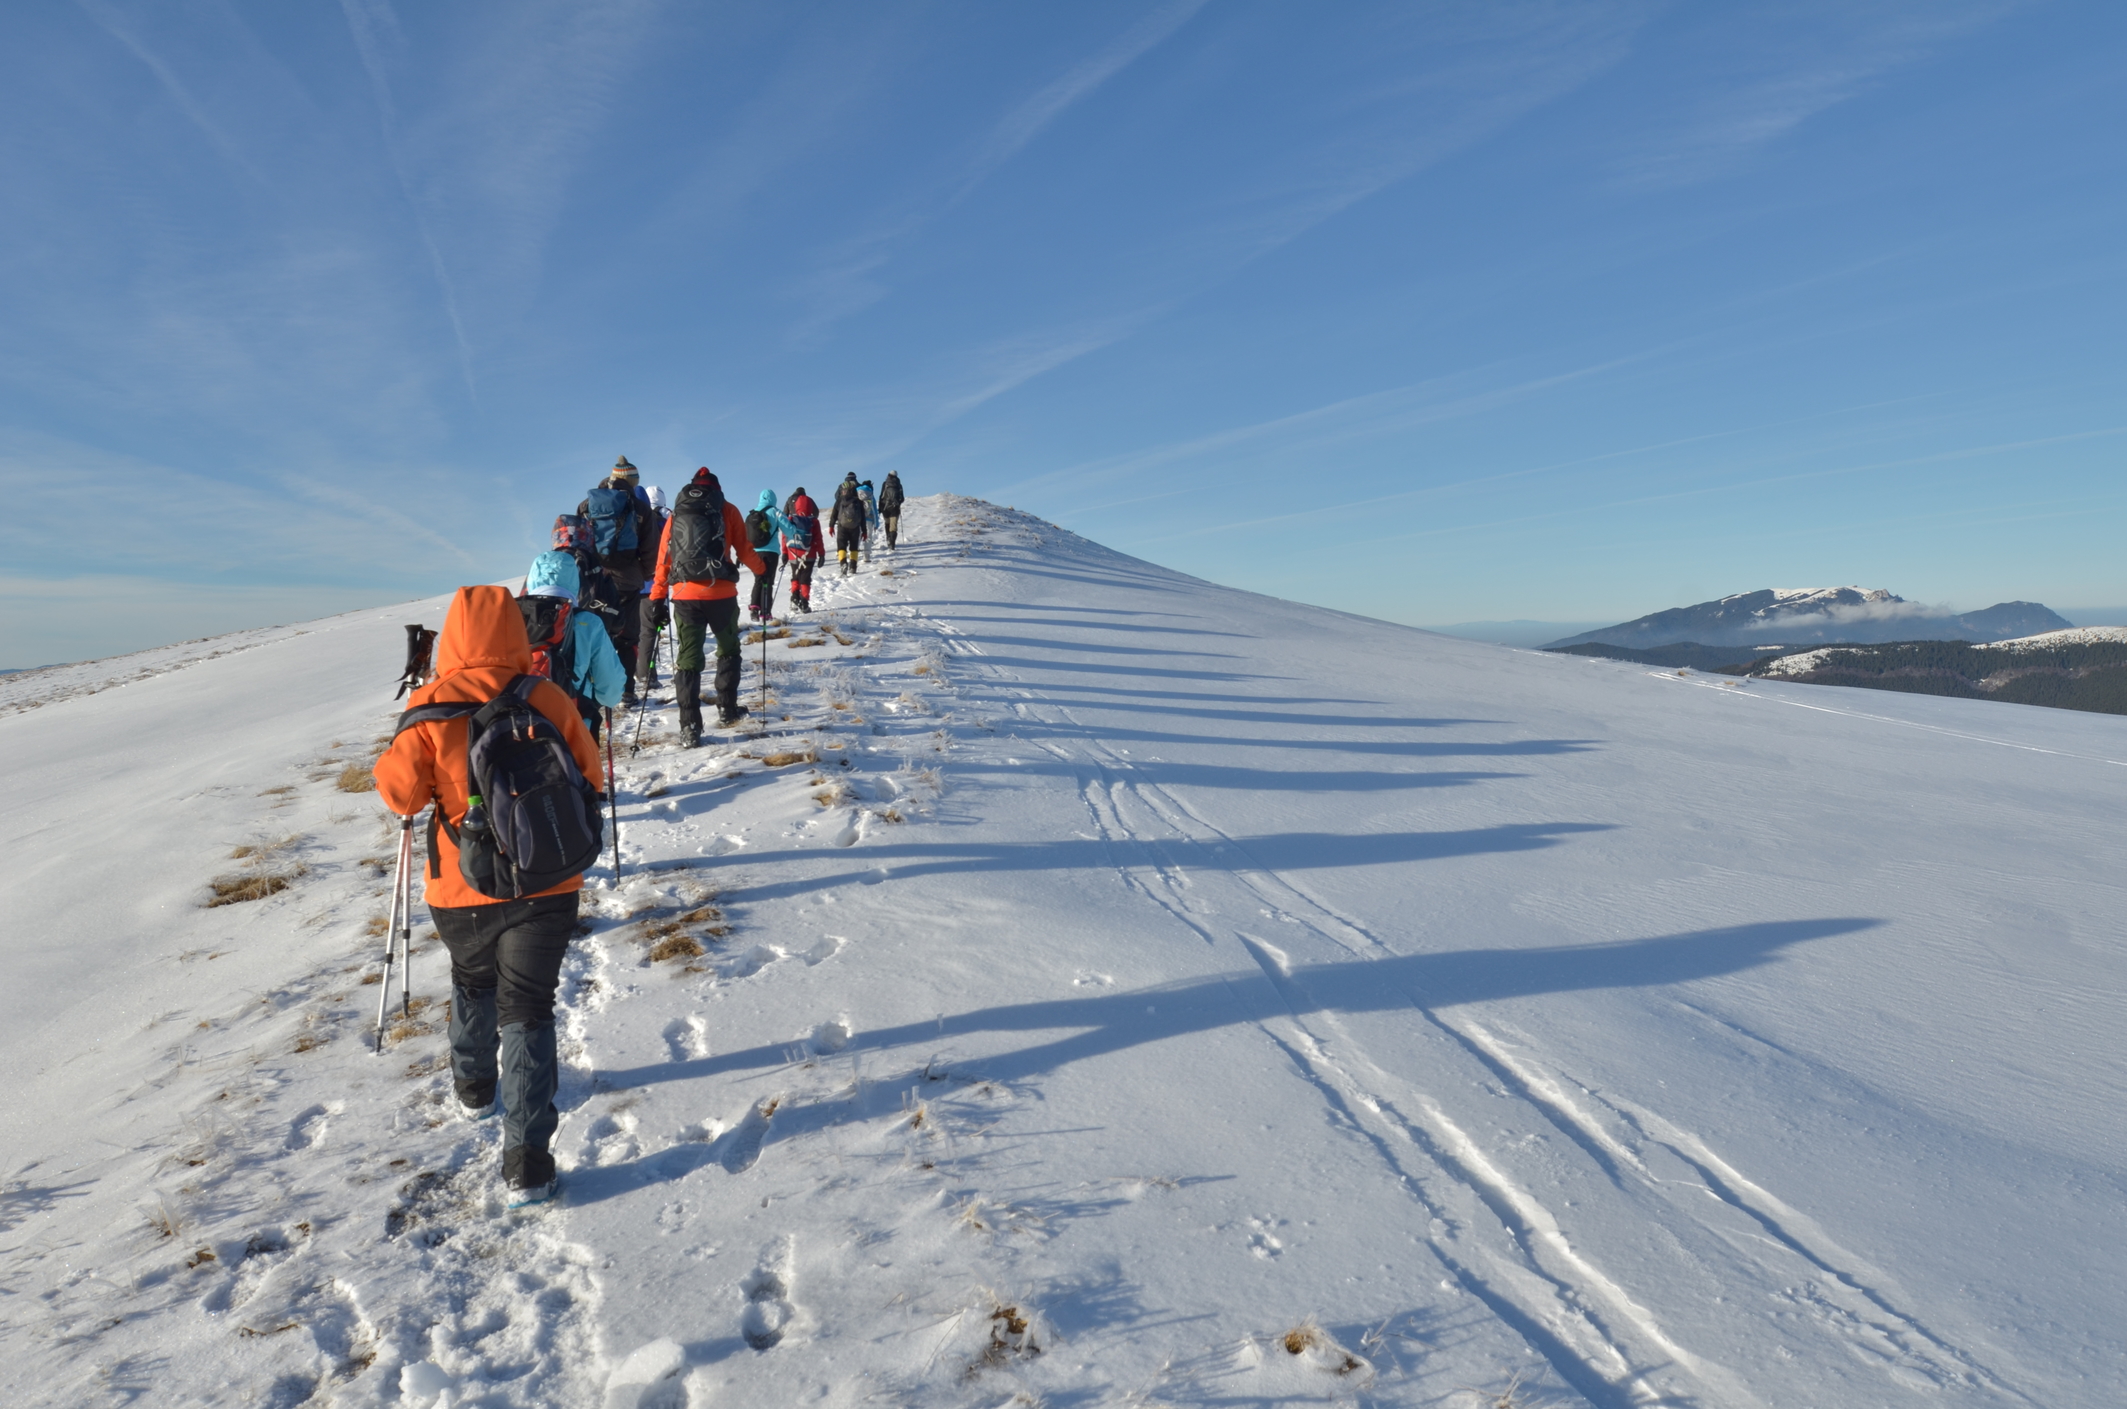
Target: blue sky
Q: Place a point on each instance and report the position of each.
(1435, 312)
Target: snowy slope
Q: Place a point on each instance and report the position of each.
(1148, 977)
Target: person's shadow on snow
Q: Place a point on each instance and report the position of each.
(1099, 1024)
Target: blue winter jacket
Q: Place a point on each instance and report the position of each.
(599, 674)
(781, 525)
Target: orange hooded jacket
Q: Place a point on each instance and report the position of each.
(483, 647)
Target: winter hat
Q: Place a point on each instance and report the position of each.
(553, 574)
(702, 476)
(622, 467)
(657, 497)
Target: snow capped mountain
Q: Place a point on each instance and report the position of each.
(1777, 616)
(1094, 987)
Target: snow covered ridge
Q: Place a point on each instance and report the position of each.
(2074, 636)
(1093, 986)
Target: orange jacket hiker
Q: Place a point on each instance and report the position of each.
(482, 648)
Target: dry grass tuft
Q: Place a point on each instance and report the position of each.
(201, 1258)
(834, 794)
(678, 946)
(785, 757)
(375, 925)
(311, 1041)
(235, 890)
(1011, 1338)
(279, 791)
(803, 641)
(839, 637)
(356, 778)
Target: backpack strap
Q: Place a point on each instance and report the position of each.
(432, 713)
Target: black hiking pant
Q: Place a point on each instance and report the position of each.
(890, 519)
(801, 582)
(645, 656)
(764, 589)
(505, 969)
(692, 622)
(848, 543)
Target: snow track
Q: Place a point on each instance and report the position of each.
(1085, 985)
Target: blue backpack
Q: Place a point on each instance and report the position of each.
(612, 513)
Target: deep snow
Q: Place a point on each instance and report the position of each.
(1147, 978)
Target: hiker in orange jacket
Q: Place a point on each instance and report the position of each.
(505, 954)
(695, 571)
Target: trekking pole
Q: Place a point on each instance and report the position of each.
(406, 918)
(391, 927)
(642, 706)
(612, 797)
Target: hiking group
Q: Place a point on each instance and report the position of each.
(503, 739)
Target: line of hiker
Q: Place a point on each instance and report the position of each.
(504, 742)
(642, 569)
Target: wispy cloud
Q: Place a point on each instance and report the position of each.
(1800, 62)
(849, 277)
(111, 21)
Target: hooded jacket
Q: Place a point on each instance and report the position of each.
(481, 649)
(736, 541)
(776, 521)
(599, 675)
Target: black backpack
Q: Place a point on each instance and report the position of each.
(533, 820)
(760, 528)
(890, 495)
(698, 548)
(546, 622)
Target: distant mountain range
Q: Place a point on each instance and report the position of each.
(1777, 617)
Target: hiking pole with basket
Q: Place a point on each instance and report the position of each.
(398, 930)
(642, 706)
(612, 796)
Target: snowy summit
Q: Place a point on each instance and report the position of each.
(1803, 615)
(1092, 986)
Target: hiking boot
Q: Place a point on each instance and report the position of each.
(728, 715)
(528, 1176)
(690, 735)
(476, 1100)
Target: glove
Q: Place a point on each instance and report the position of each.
(660, 612)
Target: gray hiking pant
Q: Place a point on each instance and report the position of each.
(505, 970)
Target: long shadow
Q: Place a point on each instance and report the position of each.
(1102, 1024)
(1404, 748)
(1202, 775)
(1285, 851)
(1100, 626)
(1038, 607)
(1103, 668)
(1096, 647)
(1245, 716)
(1233, 699)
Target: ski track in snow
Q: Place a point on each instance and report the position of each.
(784, 1179)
